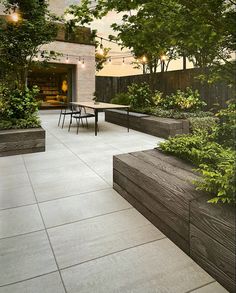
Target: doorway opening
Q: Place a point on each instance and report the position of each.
(55, 84)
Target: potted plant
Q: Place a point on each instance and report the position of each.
(95, 98)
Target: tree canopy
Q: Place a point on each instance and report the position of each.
(21, 38)
(201, 30)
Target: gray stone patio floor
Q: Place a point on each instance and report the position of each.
(64, 229)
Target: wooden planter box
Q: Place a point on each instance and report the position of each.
(160, 187)
(21, 141)
(157, 126)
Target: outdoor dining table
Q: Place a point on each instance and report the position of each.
(97, 106)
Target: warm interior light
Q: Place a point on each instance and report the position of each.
(64, 86)
(163, 58)
(101, 52)
(144, 59)
(15, 17)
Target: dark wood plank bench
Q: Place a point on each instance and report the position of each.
(157, 126)
(160, 187)
(21, 141)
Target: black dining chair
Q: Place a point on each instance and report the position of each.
(79, 118)
(67, 110)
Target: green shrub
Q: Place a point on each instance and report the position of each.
(140, 95)
(5, 124)
(219, 181)
(159, 112)
(121, 99)
(18, 109)
(30, 122)
(215, 163)
(182, 101)
(202, 124)
(225, 133)
(20, 104)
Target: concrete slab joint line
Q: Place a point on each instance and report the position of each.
(64, 229)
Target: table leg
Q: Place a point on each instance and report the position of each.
(96, 121)
(128, 119)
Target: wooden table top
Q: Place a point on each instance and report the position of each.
(100, 105)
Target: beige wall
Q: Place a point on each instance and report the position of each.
(58, 6)
(85, 77)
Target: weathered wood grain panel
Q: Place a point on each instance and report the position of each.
(120, 118)
(168, 164)
(217, 221)
(21, 141)
(13, 135)
(154, 219)
(172, 192)
(170, 218)
(160, 187)
(157, 126)
(213, 257)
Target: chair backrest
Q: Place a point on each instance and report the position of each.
(75, 109)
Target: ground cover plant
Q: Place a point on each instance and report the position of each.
(212, 151)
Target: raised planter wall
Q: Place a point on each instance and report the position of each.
(21, 141)
(160, 127)
(160, 187)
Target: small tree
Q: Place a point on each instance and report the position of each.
(22, 37)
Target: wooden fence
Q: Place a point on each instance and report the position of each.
(167, 82)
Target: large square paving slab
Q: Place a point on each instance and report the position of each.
(24, 257)
(80, 207)
(141, 269)
(89, 239)
(50, 283)
(20, 220)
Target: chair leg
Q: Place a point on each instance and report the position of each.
(59, 120)
(70, 125)
(77, 120)
(63, 121)
(82, 122)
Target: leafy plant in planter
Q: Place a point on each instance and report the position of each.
(18, 109)
(213, 157)
(121, 99)
(140, 95)
(189, 101)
